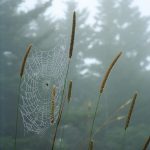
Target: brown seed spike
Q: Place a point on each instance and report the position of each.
(130, 111)
(72, 35)
(52, 110)
(69, 90)
(108, 72)
(146, 143)
(24, 60)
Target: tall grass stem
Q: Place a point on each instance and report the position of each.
(17, 115)
(61, 108)
(93, 121)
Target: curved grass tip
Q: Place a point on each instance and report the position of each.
(25, 59)
(108, 72)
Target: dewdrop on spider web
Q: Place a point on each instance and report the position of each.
(44, 68)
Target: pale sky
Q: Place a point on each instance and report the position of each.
(90, 5)
(144, 6)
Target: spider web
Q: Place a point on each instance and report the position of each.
(43, 70)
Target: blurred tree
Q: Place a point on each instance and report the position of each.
(120, 27)
(13, 42)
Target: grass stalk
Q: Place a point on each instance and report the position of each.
(93, 121)
(61, 108)
(69, 94)
(113, 117)
(99, 97)
(63, 99)
(17, 116)
(18, 97)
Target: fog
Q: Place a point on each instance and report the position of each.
(103, 29)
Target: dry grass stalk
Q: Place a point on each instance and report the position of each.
(53, 95)
(113, 117)
(91, 145)
(72, 34)
(56, 129)
(108, 122)
(108, 72)
(62, 100)
(146, 143)
(24, 60)
(130, 111)
(69, 90)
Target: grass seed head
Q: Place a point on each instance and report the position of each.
(72, 35)
(24, 60)
(108, 72)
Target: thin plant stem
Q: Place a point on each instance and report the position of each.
(93, 121)
(18, 98)
(107, 122)
(62, 135)
(101, 91)
(67, 98)
(63, 99)
(124, 140)
(113, 116)
(17, 115)
(61, 107)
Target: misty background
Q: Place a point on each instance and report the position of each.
(104, 28)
